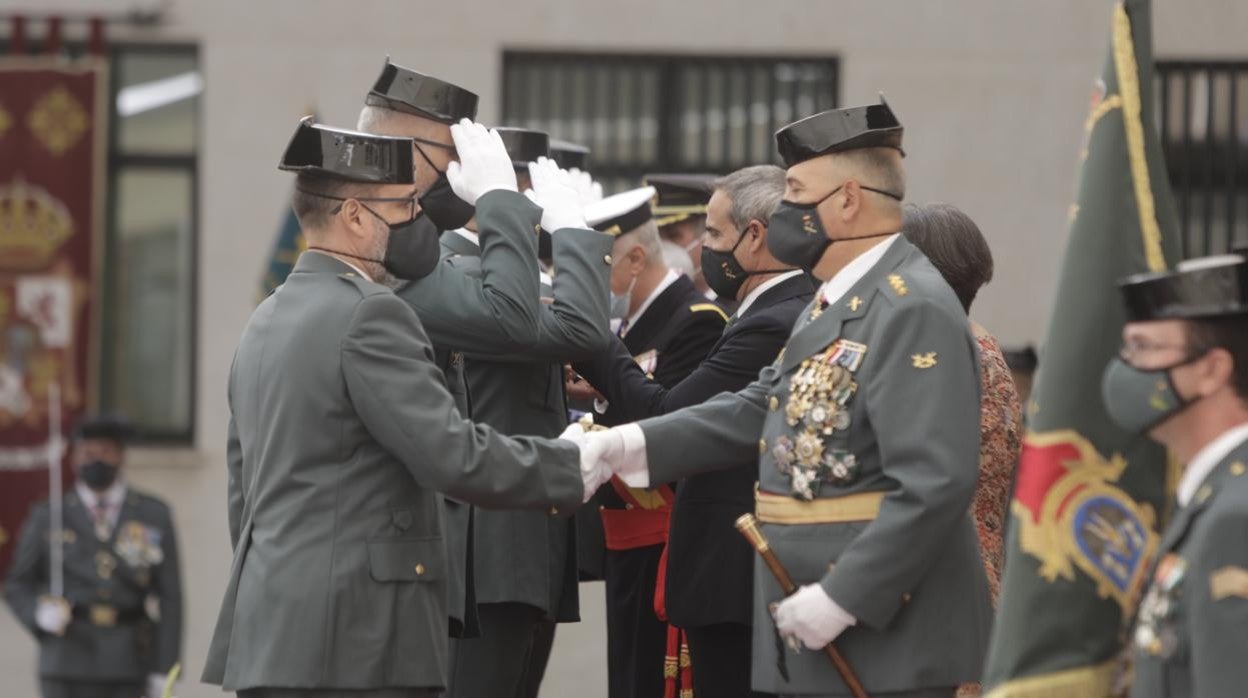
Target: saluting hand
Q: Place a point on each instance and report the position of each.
(589, 190)
(483, 162)
(554, 192)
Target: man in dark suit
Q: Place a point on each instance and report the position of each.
(709, 589)
(668, 328)
(115, 631)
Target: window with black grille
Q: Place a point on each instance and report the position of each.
(646, 113)
(1203, 108)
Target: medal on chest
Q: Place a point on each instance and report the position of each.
(818, 406)
(1155, 631)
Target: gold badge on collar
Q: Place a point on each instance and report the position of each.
(1227, 582)
(854, 303)
(898, 284)
(927, 360)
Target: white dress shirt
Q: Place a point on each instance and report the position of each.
(110, 500)
(1206, 459)
(763, 288)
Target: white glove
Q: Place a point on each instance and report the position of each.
(589, 190)
(812, 616)
(594, 471)
(155, 685)
(52, 614)
(483, 164)
(553, 191)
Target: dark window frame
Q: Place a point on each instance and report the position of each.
(115, 162)
(1202, 171)
(670, 104)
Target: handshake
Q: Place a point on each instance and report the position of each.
(484, 166)
(606, 452)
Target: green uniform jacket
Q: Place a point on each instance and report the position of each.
(519, 556)
(909, 391)
(1192, 633)
(497, 307)
(342, 436)
(117, 576)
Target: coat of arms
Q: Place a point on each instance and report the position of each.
(1072, 516)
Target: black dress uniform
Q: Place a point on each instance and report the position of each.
(125, 591)
(709, 585)
(670, 339)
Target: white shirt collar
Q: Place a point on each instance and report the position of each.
(763, 288)
(667, 281)
(344, 261)
(111, 498)
(853, 272)
(468, 235)
(1208, 458)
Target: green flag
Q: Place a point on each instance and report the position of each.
(1089, 497)
(286, 249)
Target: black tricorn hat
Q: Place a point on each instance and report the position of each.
(114, 427)
(568, 155)
(1205, 287)
(348, 155)
(406, 90)
(524, 145)
(838, 130)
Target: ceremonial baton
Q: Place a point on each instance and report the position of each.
(748, 526)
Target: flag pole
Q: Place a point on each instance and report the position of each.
(56, 549)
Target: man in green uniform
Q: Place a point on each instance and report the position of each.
(490, 306)
(1182, 379)
(116, 629)
(524, 564)
(342, 435)
(865, 431)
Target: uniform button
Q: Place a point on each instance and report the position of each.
(762, 446)
(554, 511)
(420, 569)
(608, 259)
(773, 404)
(1237, 469)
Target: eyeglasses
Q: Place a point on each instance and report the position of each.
(1134, 348)
(411, 201)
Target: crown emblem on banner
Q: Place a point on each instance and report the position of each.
(33, 226)
(57, 120)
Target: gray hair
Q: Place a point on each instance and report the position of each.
(647, 236)
(755, 193)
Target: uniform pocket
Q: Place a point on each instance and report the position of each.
(406, 560)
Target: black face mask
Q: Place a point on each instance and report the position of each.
(412, 250)
(795, 234)
(724, 274)
(98, 475)
(443, 206)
